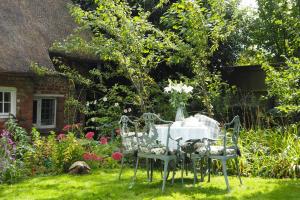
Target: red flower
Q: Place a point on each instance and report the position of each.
(61, 136)
(117, 131)
(103, 140)
(90, 135)
(86, 156)
(67, 127)
(117, 156)
(92, 156)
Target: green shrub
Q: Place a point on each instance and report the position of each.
(52, 155)
(271, 153)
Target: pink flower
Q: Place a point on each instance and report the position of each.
(103, 140)
(86, 156)
(99, 158)
(67, 127)
(117, 156)
(92, 156)
(61, 136)
(89, 135)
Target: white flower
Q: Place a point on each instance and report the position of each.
(187, 89)
(125, 110)
(178, 88)
(95, 102)
(104, 99)
(87, 103)
(116, 104)
(168, 89)
(190, 89)
(129, 109)
(93, 119)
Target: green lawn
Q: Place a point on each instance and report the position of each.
(103, 184)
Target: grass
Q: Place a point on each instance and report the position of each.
(103, 184)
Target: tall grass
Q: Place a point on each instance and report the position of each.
(268, 153)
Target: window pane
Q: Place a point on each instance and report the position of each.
(34, 112)
(1, 107)
(7, 107)
(47, 112)
(7, 96)
(1, 96)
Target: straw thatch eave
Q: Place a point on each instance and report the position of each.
(27, 30)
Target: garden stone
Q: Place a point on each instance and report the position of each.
(79, 167)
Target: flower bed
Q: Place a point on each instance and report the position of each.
(54, 154)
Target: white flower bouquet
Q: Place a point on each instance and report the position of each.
(180, 93)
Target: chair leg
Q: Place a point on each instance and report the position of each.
(161, 170)
(151, 170)
(122, 163)
(135, 170)
(186, 165)
(174, 172)
(225, 173)
(201, 168)
(182, 167)
(209, 167)
(166, 162)
(195, 171)
(238, 170)
(147, 167)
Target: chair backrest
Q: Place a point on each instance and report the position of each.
(150, 138)
(236, 124)
(128, 133)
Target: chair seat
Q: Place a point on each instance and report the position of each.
(190, 147)
(216, 150)
(156, 151)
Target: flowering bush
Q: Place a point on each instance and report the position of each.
(53, 154)
(14, 142)
(180, 93)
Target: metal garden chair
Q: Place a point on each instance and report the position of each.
(224, 152)
(129, 139)
(151, 148)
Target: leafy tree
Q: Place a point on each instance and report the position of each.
(284, 84)
(274, 31)
(124, 37)
(202, 25)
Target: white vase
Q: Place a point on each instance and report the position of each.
(179, 114)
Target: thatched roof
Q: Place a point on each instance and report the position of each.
(27, 30)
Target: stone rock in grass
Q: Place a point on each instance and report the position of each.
(79, 167)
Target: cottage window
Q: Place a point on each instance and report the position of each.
(7, 101)
(44, 112)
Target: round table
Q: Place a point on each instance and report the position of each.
(179, 129)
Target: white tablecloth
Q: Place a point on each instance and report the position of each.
(186, 131)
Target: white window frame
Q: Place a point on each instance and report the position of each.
(39, 110)
(13, 103)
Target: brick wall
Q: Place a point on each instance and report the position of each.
(27, 87)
